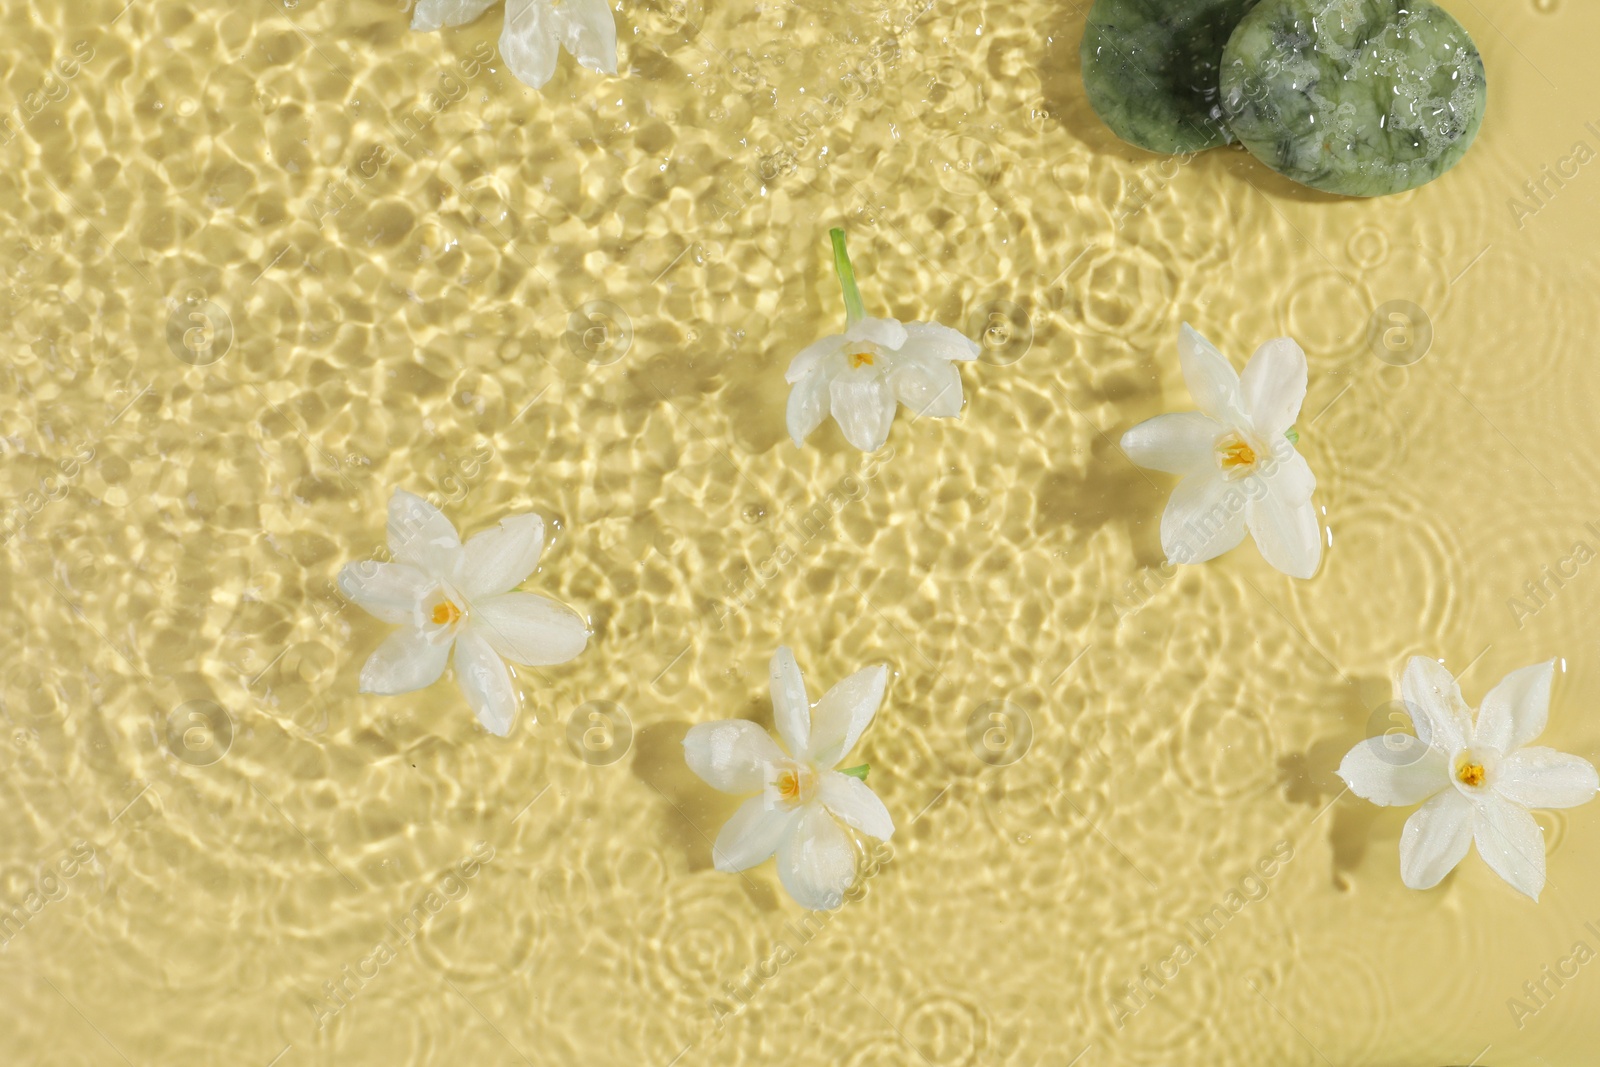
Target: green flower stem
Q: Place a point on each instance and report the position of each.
(854, 310)
(1293, 435)
(861, 771)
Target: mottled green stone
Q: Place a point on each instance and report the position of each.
(1150, 69)
(1359, 97)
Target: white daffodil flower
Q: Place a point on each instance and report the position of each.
(1479, 771)
(1236, 457)
(799, 793)
(444, 593)
(535, 31)
(857, 376)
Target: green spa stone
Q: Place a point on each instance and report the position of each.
(1357, 97)
(1150, 69)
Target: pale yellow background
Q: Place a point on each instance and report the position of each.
(422, 335)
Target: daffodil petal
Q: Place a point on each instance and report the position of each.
(501, 559)
(1435, 838)
(863, 405)
(1516, 710)
(1395, 770)
(808, 406)
(751, 836)
(854, 802)
(1203, 519)
(528, 43)
(1284, 474)
(1432, 698)
(392, 592)
(843, 713)
(1273, 386)
(933, 341)
(589, 31)
(791, 707)
(409, 659)
(1510, 842)
(432, 14)
(420, 535)
(1286, 533)
(1539, 777)
(926, 385)
(486, 682)
(886, 333)
(731, 755)
(529, 629)
(816, 861)
(1181, 443)
(1211, 379)
(811, 357)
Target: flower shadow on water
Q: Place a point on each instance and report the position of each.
(1311, 778)
(1112, 488)
(1107, 490)
(693, 812)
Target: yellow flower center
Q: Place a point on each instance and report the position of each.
(1234, 455)
(793, 785)
(445, 613)
(860, 359)
(1470, 773)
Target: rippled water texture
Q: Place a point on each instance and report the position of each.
(267, 260)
